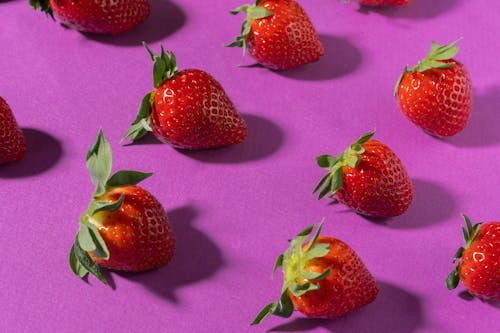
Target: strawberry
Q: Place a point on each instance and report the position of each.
(125, 227)
(97, 16)
(187, 109)
(383, 2)
(367, 177)
(12, 143)
(278, 34)
(323, 278)
(436, 95)
(479, 262)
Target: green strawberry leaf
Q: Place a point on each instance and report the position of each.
(101, 250)
(85, 239)
(322, 182)
(87, 262)
(312, 242)
(458, 254)
(42, 5)
(318, 251)
(127, 177)
(337, 180)
(316, 276)
(278, 263)
(141, 125)
(105, 206)
(164, 66)
(99, 163)
(300, 289)
(453, 279)
(326, 161)
(437, 57)
(75, 265)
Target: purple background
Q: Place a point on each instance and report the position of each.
(233, 209)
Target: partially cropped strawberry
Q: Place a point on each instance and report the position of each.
(97, 16)
(384, 2)
(436, 95)
(278, 34)
(479, 262)
(12, 143)
(125, 227)
(188, 109)
(323, 278)
(367, 177)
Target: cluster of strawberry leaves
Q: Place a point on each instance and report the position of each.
(295, 259)
(332, 181)
(470, 235)
(88, 238)
(164, 68)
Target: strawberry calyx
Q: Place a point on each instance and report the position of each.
(470, 235)
(88, 239)
(164, 68)
(298, 280)
(42, 5)
(438, 57)
(351, 157)
(253, 12)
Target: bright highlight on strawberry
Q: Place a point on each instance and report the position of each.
(12, 143)
(97, 16)
(125, 227)
(323, 278)
(367, 177)
(278, 34)
(188, 109)
(436, 94)
(479, 261)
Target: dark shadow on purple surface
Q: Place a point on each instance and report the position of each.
(394, 310)
(417, 9)
(264, 139)
(482, 128)
(431, 204)
(196, 258)
(341, 58)
(43, 152)
(165, 19)
(465, 295)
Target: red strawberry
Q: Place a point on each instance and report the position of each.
(278, 34)
(323, 278)
(479, 265)
(384, 2)
(97, 16)
(187, 109)
(368, 177)
(436, 95)
(125, 227)
(12, 144)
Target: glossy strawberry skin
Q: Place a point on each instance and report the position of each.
(379, 185)
(138, 235)
(384, 2)
(348, 286)
(286, 39)
(480, 263)
(104, 16)
(12, 143)
(192, 111)
(438, 100)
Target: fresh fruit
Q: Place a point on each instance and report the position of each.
(383, 2)
(12, 143)
(103, 16)
(124, 228)
(278, 34)
(187, 109)
(367, 177)
(479, 262)
(436, 95)
(323, 278)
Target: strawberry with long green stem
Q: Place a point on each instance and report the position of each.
(124, 227)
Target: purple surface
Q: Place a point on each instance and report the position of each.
(233, 209)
